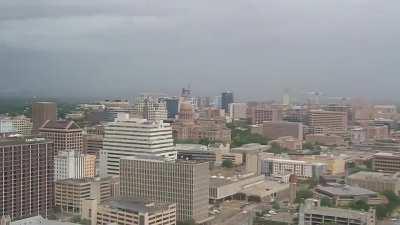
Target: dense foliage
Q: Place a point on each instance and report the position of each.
(227, 163)
(303, 194)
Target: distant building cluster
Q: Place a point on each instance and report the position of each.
(161, 159)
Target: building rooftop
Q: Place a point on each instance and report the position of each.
(136, 205)
(83, 180)
(154, 158)
(38, 220)
(364, 175)
(252, 147)
(344, 190)
(18, 140)
(60, 125)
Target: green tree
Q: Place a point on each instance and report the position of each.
(359, 205)
(302, 195)
(381, 211)
(206, 141)
(227, 163)
(275, 205)
(276, 149)
(241, 135)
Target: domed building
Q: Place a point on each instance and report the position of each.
(185, 112)
(188, 128)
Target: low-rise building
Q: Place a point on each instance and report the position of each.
(70, 193)
(377, 132)
(289, 143)
(222, 188)
(278, 167)
(386, 162)
(335, 164)
(374, 181)
(36, 220)
(326, 139)
(278, 129)
(128, 211)
(342, 195)
(311, 213)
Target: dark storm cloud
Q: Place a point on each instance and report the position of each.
(255, 47)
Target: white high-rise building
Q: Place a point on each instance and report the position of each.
(73, 164)
(19, 124)
(136, 137)
(151, 108)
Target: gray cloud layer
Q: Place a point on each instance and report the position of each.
(255, 47)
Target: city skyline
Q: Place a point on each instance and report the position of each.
(254, 48)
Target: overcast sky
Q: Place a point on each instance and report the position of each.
(257, 48)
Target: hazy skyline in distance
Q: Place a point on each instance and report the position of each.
(256, 48)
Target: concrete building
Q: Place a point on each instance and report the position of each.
(235, 158)
(185, 183)
(325, 139)
(311, 213)
(36, 220)
(66, 135)
(70, 193)
(260, 114)
(377, 132)
(136, 137)
(290, 143)
(196, 152)
(74, 164)
(296, 114)
(343, 195)
(385, 111)
(151, 107)
(225, 188)
(41, 112)
(226, 99)
(359, 135)
(27, 173)
(327, 122)
(238, 111)
(19, 124)
(277, 129)
(128, 211)
(386, 162)
(278, 167)
(374, 181)
(335, 164)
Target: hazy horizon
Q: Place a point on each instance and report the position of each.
(256, 48)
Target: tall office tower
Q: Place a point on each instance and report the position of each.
(238, 111)
(327, 122)
(41, 112)
(27, 173)
(151, 107)
(74, 165)
(19, 124)
(136, 137)
(93, 140)
(261, 114)
(286, 98)
(66, 135)
(172, 105)
(185, 183)
(226, 99)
